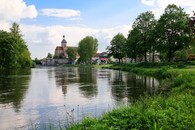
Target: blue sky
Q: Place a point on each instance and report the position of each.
(96, 13)
(44, 22)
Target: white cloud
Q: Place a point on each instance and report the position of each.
(41, 40)
(160, 5)
(14, 10)
(148, 2)
(4, 25)
(63, 13)
(105, 35)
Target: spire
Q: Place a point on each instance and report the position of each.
(63, 41)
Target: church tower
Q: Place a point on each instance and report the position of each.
(64, 42)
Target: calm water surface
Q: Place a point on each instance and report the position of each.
(42, 95)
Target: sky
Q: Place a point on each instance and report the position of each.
(44, 22)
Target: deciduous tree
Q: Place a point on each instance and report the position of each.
(49, 55)
(117, 48)
(145, 23)
(173, 31)
(87, 49)
(133, 46)
(14, 52)
(72, 54)
(8, 50)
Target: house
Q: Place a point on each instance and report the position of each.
(100, 58)
(103, 57)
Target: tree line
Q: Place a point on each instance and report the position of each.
(168, 36)
(14, 52)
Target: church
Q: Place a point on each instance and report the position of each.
(60, 51)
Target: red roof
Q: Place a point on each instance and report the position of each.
(59, 48)
(104, 59)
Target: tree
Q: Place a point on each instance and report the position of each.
(13, 50)
(49, 55)
(87, 49)
(8, 50)
(173, 31)
(133, 46)
(145, 23)
(37, 61)
(15, 29)
(192, 22)
(23, 57)
(72, 54)
(117, 48)
(153, 40)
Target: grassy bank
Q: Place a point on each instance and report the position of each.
(175, 111)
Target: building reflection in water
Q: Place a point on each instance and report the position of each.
(65, 76)
(84, 76)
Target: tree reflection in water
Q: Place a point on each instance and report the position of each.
(128, 86)
(84, 76)
(13, 87)
(87, 80)
(65, 76)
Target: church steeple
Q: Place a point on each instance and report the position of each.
(64, 42)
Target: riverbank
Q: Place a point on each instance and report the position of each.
(174, 110)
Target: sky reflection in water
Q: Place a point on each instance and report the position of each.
(42, 94)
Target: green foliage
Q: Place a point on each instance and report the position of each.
(181, 55)
(174, 32)
(8, 50)
(56, 56)
(145, 23)
(49, 55)
(37, 61)
(134, 47)
(87, 48)
(72, 54)
(13, 50)
(15, 29)
(117, 48)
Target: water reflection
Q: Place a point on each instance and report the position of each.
(84, 76)
(128, 86)
(87, 80)
(13, 87)
(37, 95)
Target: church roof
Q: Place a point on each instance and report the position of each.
(59, 48)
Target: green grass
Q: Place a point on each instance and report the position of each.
(173, 110)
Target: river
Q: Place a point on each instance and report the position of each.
(53, 95)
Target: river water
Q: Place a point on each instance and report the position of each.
(52, 96)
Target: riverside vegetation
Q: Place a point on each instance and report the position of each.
(172, 109)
